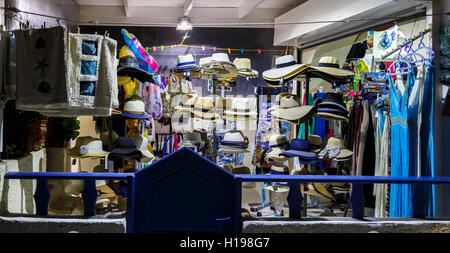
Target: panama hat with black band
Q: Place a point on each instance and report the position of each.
(330, 66)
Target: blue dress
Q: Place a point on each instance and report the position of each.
(428, 154)
(399, 148)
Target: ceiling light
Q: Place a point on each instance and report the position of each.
(184, 23)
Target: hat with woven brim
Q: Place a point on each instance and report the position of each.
(277, 143)
(202, 108)
(240, 107)
(288, 108)
(285, 69)
(330, 65)
(134, 108)
(333, 142)
(219, 65)
(244, 67)
(87, 146)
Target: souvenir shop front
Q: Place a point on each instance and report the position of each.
(365, 97)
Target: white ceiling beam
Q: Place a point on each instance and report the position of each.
(126, 6)
(248, 6)
(188, 5)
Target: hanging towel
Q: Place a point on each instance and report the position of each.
(41, 72)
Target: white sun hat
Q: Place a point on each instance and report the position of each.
(286, 68)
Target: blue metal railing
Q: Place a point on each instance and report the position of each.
(295, 198)
(357, 201)
(89, 195)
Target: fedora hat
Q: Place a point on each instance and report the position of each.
(202, 108)
(240, 107)
(87, 146)
(286, 69)
(134, 108)
(192, 139)
(330, 65)
(125, 147)
(234, 142)
(130, 65)
(335, 148)
(288, 108)
(185, 62)
(244, 67)
(277, 144)
(301, 149)
(142, 146)
(315, 140)
(220, 66)
(331, 101)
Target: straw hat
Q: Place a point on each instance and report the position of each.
(288, 108)
(240, 107)
(142, 146)
(330, 65)
(244, 67)
(277, 142)
(87, 146)
(285, 70)
(316, 189)
(315, 140)
(219, 65)
(134, 107)
(335, 148)
(105, 137)
(201, 109)
(243, 170)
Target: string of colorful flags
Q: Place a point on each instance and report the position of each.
(214, 49)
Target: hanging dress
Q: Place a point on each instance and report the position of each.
(428, 154)
(399, 147)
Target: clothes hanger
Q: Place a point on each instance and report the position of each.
(423, 46)
(400, 70)
(410, 53)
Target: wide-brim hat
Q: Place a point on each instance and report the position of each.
(285, 69)
(87, 146)
(245, 68)
(231, 149)
(186, 62)
(330, 65)
(129, 66)
(327, 115)
(316, 189)
(301, 149)
(202, 108)
(192, 139)
(294, 114)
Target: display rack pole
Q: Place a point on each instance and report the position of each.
(214, 139)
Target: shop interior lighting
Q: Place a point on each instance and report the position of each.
(184, 23)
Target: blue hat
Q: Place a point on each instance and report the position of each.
(301, 149)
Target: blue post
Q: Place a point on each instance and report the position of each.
(357, 201)
(89, 197)
(41, 197)
(295, 200)
(418, 200)
(130, 203)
